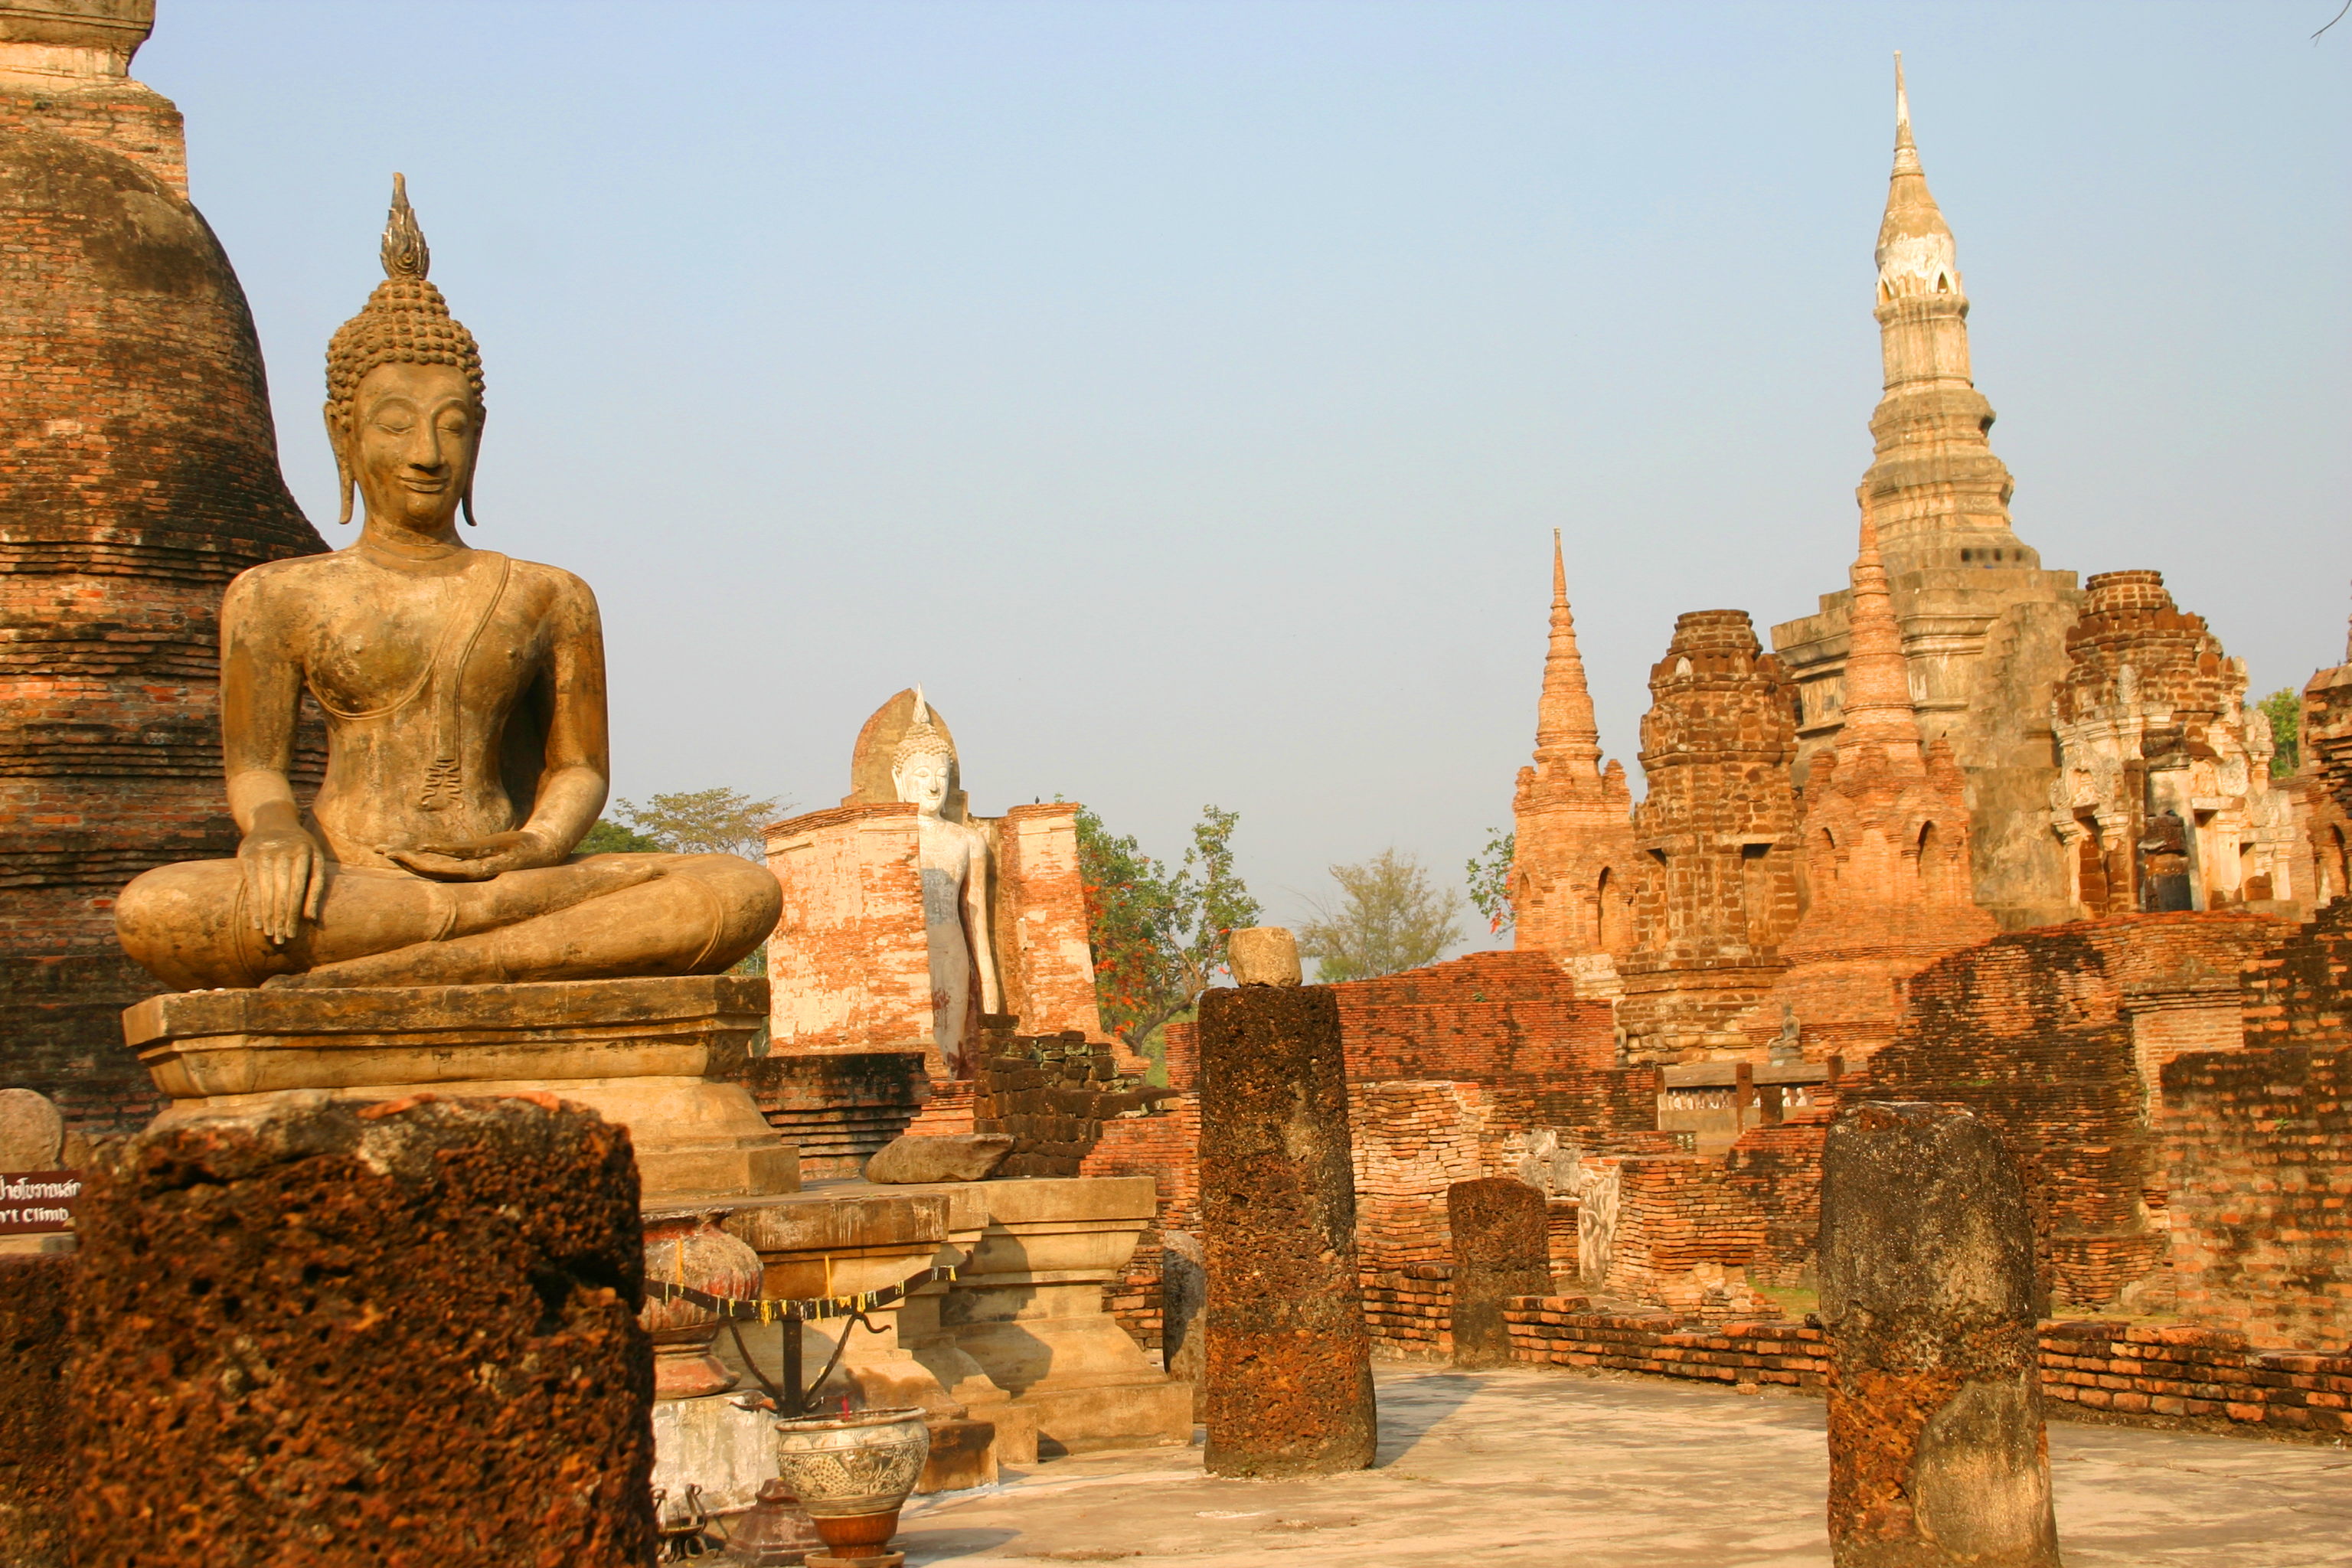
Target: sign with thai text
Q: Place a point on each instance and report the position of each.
(38, 1202)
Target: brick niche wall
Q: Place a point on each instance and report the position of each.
(2258, 1144)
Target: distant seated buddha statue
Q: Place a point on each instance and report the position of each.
(464, 695)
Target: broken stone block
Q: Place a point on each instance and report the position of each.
(1502, 1248)
(1289, 1367)
(345, 1335)
(1263, 955)
(32, 1133)
(1937, 1455)
(967, 1157)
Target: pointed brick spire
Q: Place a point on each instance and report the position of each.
(1935, 492)
(1878, 708)
(1566, 731)
(1915, 254)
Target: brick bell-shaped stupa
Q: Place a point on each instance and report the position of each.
(138, 474)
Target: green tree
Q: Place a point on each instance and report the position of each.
(2283, 709)
(703, 822)
(609, 838)
(1388, 919)
(1158, 936)
(1490, 880)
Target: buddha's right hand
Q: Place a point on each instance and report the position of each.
(285, 878)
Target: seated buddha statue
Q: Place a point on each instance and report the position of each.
(464, 696)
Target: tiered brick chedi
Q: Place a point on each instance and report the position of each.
(1982, 623)
(1573, 877)
(1718, 840)
(1886, 849)
(141, 475)
(2165, 799)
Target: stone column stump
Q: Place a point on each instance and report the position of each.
(1288, 1362)
(1502, 1248)
(346, 1335)
(1937, 1455)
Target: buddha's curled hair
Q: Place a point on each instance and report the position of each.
(922, 738)
(404, 321)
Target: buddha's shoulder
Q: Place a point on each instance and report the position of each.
(551, 579)
(296, 573)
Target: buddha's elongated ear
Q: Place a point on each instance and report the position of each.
(473, 459)
(342, 464)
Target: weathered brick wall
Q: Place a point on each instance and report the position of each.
(1776, 1172)
(141, 475)
(1181, 1046)
(1413, 1141)
(849, 965)
(1719, 886)
(116, 115)
(2259, 1145)
(2044, 1033)
(1165, 1146)
(2184, 1375)
(1563, 1331)
(1041, 921)
(838, 1107)
(1685, 1238)
(2296, 993)
(2150, 718)
(1491, 1018)
(2151, 1376)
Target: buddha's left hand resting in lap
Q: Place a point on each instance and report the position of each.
(466, 741)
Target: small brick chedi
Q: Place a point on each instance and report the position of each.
(1718, 839)
(1938, 1458)
(426, 1313)
(1574, 870)
(1887, 850)
(1288, 1368)
(141, 476)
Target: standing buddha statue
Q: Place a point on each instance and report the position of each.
(954, 859)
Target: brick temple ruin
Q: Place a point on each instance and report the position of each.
(1973, 834)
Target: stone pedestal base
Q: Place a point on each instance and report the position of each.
(846, 1240)
(712, 1442)
(1027, 1309)
(660, 1056)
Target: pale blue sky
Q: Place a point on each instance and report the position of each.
(1186, 391)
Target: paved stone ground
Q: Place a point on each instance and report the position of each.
(1531, 1469)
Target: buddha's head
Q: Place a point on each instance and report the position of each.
(923, 766)
(404, 392)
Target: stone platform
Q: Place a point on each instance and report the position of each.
(1527, 1469)
(661, 1057)
(1026, 1309)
